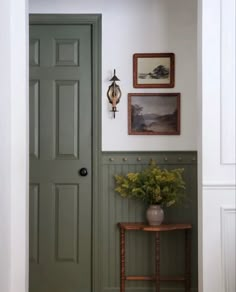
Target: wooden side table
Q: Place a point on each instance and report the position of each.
(157, 277)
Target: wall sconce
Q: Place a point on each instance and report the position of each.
(114, 93)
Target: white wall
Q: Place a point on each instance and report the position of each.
(14, 146)
(217, 200)
(137, 26)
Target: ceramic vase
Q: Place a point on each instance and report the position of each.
(155, 215)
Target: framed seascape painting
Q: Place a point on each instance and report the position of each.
(154, 113)
(154, 70)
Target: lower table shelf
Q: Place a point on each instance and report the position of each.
(186, 278)
(153, 278)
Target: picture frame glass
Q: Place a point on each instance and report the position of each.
(146, 70)
(154, 70)
(154, 114)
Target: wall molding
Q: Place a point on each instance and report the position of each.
(144, 157)
(215, 185)
(228, 242)
(227, 82)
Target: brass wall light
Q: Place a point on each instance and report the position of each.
(114, 93)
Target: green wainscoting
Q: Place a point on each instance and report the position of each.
(140, 245)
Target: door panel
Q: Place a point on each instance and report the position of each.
(34, 118)
(60, 145)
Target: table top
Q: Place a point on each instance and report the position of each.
(151, 228)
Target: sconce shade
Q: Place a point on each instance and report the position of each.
(114, 93)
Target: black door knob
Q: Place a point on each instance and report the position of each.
(83, 171)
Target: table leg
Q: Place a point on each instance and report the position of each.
(122, 260)
(187, 261)
(157, 261)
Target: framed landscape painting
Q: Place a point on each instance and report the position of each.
(154, 70)
(154, 113)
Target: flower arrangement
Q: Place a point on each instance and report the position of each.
(152, 185)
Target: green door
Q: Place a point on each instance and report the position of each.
(60, 146)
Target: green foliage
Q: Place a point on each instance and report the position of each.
(152, 185)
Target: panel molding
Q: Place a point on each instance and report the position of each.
(34, 224)
(60, 219)
(227, 82)
(34, 118)
(216, 185)
(228, 243)
(62, 127)
(34, 52)
(62, 60)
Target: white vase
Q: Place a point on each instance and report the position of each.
(155, 215)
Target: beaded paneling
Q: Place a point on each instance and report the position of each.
(140, 246)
